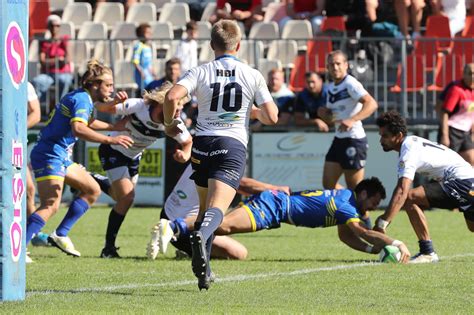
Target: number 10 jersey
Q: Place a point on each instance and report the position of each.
(225, 90)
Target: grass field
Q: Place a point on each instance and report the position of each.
(289, 270)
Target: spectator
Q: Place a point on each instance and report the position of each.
(456, 115)
(281, 94)
(55, 63)
(187, 50)
(247, 12)
(172, 74)
(455, 10)
(304, 10)
(142, 57)
(409, 11)
(358, 14)
(309, 100)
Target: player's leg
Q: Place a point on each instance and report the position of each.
(353, 154)
(417, 200)
(236, 221)
(332, 171)
(30, 193)
(469, 217)
(353, 177)
(224, 247)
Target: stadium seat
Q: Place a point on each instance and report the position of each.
(264, 31)
(438, 26)
(141, 13)
(428, 48)
(158, 3)
(464, 47)
(204, 30)
(297, 79)
(171, 52)
(299, 30)
(91, 30)
(284, 50)
(124, 31)
(274, 12)
(38, 14)
(208, 11)
(108, 51)
(123, 76)
(159, 66)
(250, 51)
(206, 53)
(318, 49)
(448, 68)
(77, 13)
(334, 23)
(80, 54)
(57, 6)
(176, 13)
(415, 75)
(265, 65)
(110, 13)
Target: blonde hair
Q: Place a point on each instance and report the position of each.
(157, 96)
(225, 35)
(96, 72)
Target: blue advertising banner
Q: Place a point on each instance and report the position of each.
(13, 112)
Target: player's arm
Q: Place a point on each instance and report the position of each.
(369, 106)
(113, 105)
(34, 113)
(171, 107)
(378, 240)
(249, 186)
(266, 113)
(82, 131)
(326, 115)
(399, 196)
(184, 154)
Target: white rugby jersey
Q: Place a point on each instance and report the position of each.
(183, 200)
(422, 156)
(142, 129)
(343, 100)
(225, 89)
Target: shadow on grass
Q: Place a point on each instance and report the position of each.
(315, 260)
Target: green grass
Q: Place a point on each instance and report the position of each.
(289, 270)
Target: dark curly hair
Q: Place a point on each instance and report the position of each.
(393, 121)
(372, 186)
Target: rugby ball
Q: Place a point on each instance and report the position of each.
(390, 254)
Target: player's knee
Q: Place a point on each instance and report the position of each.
(126, 199)
(30, 191)
(91, 193)
(239, 253)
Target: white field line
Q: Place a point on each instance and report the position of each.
(236, 278)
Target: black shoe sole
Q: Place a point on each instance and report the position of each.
(199, 260)
(53, 243)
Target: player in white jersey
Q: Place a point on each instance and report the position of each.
(180, 211)
(348, 103)
(226, 90)
(144, 124)
(452, 185)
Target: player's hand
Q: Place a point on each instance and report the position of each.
(120, 97)
(285, 189)
(172, 130)
(124, 141)
(254, 112)
(181, 157)
(121, 124)
(346, 124)
(380, 224)
(405, 253)
(322, 126)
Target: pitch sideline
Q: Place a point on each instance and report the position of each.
(236, 278)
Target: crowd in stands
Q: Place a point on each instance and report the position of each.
(155, 58)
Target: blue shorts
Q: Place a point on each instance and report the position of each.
(110, 159)
(268, 209)
(350, 153)
(220, 158)
(455, 193)
(49, 166)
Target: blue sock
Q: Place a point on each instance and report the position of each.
(76, 210)
(180, 227)
(426, 247)
(34, 224)
(212, 219)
